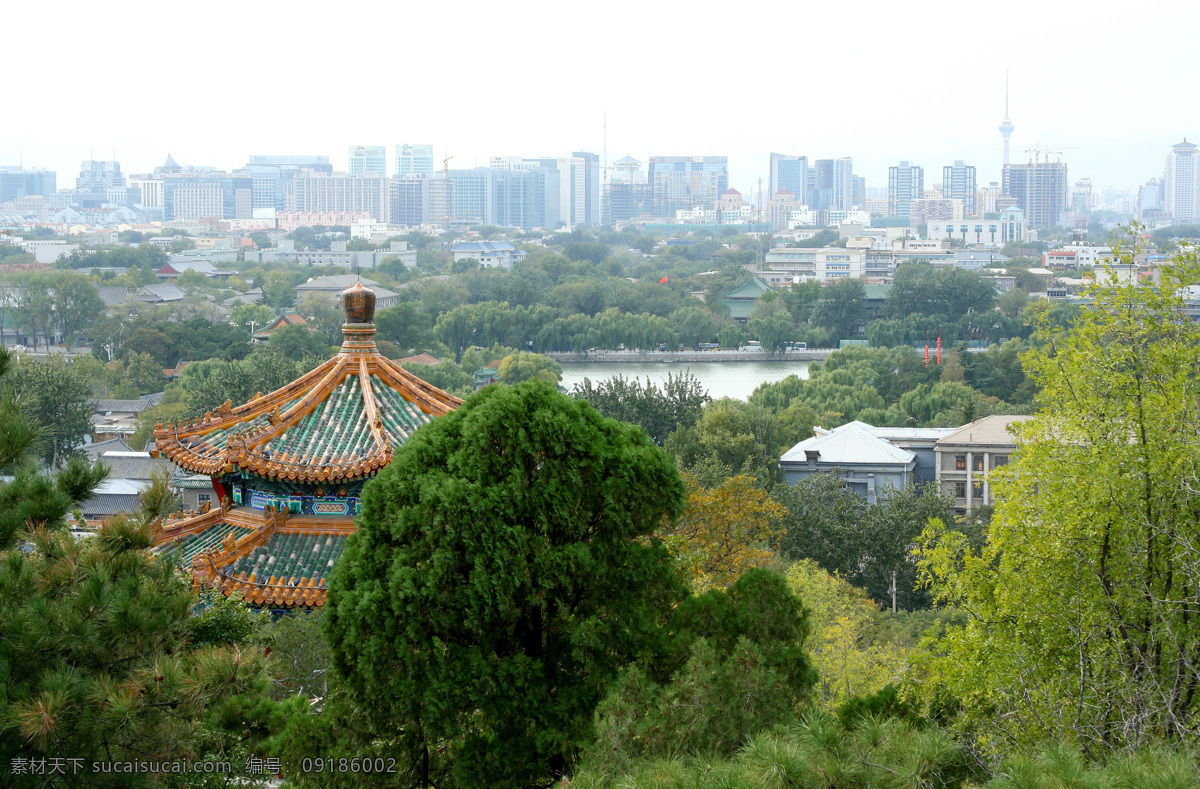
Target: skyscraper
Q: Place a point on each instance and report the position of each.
(1041, 190)
(1006, 126)
(678, 182)
(368, 160)
(958, 183)
(790, 173)
(1182, 189)
(906, 183)
(97, 176)
(414, 161)
(18, 182)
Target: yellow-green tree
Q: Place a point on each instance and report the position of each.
(724, 531)
(1085, 599)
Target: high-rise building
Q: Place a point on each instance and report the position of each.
(628, 192)
(1149, 199)
(591, 187)
(958, 183)
(414, 161)
(906, 182)
(96, 176)
(1081, 197)
(273, 175)
(411, 200)
(319, 193)
(1041, 190)
(1181, 193)
(17, 182)
(679, 182)
(368, 160)
(790, 173)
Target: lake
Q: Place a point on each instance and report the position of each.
(721, 379)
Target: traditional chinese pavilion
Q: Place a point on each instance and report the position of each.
(288, 467)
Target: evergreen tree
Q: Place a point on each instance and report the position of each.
(500, 576)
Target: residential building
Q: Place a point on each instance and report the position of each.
(958, 183)
(1182, 183)
(924, 210)
(414, 161)
(488, 254)
(683, 181)
(339, 192)
(1082, 197)
(967, 457)
(410, 201)
(906, 182)
(1041, 190)
(591, 188)
(368, 160)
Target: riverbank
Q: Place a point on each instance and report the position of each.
(704, 357)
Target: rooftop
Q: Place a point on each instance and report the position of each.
(991, 431)
(851, 444)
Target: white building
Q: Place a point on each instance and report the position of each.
(489, 254)
(786, 264)
(1182, 193)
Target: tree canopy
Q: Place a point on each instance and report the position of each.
(500, 576)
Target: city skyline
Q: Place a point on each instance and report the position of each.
(1119, 113)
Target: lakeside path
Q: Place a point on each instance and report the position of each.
(669, 357)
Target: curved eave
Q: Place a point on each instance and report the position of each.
(305, 395)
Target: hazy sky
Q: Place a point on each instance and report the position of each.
(215, 81)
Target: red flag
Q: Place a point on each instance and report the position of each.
(939, 347)
(662, 281)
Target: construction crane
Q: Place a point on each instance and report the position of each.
(1038, 150)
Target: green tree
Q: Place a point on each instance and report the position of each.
(246, 314)
(76, 304)
(659, 412)
(1084, 597)
(732, 436)
(523, 365)
(279, 291)
(405, 324)
(921, 289)
(31, 303)
(295, 342)
(771, 323)
(55, 396)
(521, 579)
(842, 308)
(694, 324)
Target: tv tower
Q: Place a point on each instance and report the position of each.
(1006, 126)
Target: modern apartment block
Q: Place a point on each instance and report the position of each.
(681, 182)
(318, 192)
(958, 183)
(906, 182)
(1182, 188)
(1041, 190)
(368, 160)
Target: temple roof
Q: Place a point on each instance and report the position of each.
(341, 421)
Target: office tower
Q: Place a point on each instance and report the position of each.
(628, 192)
(414, 161)
(410, 202)
(958, 183)
(368, 160)
(1181, 194)
(1006, 126)
(16, 182)
(678, 182)
(1149, 198)
(96, 176)
(906, 183)
(1082, 197)
(273, 174)
(591, 187)
(859, 197)
(832, 184)
(790, 173)
(1040, 189)
(319, 193)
